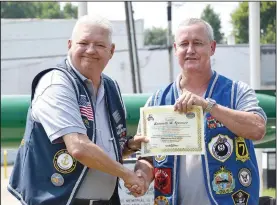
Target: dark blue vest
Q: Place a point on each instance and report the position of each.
(45, 173)
(229, 165)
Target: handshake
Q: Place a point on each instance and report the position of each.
(136, 182)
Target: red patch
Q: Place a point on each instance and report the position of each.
(163, 180)
(213, 123)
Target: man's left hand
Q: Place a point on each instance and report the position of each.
(135, 142)
(187, 100)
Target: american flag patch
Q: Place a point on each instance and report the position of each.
(85, 107)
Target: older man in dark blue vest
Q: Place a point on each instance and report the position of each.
(75, 134)
(228, 172)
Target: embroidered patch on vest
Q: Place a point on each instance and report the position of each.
(120, 130)
(85, 108)
(116, 116)
(86, 122)
(245, 177)
(240, 197)
(213, 123)
(161, 200)
(160, 158)
(221, 147)
(64, 162)
(223, 182)
(162, 181)
(242, 153)
(57, 179)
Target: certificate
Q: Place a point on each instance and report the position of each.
(171, 132)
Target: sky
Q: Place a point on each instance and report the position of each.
(155, 13)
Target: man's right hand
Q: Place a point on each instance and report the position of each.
(133, 182)
(138, 191)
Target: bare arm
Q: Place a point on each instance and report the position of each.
(145, 165)
(245, 124)
(89, 154)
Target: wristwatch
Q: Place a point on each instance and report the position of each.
(211, 103)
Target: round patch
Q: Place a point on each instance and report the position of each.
(63, 162)
(57, 179)
(161, 200)
(223, 182)
(160, 158)
(245, 177)
(190, 115)
(221, 147)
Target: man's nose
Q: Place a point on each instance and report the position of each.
(191, 48)
(91, 49)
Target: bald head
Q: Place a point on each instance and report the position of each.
(90, 21)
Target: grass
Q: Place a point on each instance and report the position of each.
(269, 192)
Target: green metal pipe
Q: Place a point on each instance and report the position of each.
(14, 111)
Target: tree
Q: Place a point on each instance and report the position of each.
(155, 36)
(70, 11)
(49, 10)
(18, 9)
(240, 22)
(213, 19)
(37, 10)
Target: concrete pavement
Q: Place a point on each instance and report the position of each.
(6, 197)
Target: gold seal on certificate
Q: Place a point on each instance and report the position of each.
(171, 132)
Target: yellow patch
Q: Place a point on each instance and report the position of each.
(161, 200)
(242, 153)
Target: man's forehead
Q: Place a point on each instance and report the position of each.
(197, 31)
(85, 31)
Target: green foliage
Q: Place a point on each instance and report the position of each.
(70, 11)
(155, 36)
(213, 19)
(269, 192)
(43, 10)
(240, 22)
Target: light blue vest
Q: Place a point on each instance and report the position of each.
(229, 165)
(45, 173)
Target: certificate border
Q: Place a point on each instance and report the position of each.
(149, 152)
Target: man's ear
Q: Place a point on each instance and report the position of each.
(69, 44)
(112, 50)
(213, 46)
(175, 47)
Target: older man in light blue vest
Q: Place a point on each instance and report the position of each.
(228, 172)
(75, 136)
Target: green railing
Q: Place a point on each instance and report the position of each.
(14, 110)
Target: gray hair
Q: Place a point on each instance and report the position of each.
(192, 21)
(93, 20)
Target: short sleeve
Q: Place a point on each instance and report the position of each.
(247, 101)
(55, 106)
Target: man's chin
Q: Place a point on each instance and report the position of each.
(191, 68)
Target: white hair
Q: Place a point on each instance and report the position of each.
(93, 20)
(192, 21)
